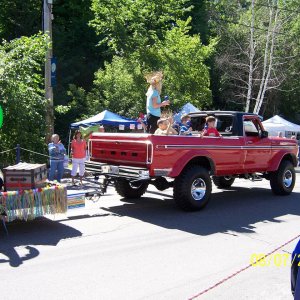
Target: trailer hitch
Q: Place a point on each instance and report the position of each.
(95, 195)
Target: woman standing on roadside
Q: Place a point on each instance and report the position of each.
(78, 151)
(154, 102)
(57, 153)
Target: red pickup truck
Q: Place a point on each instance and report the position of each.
(189, 164)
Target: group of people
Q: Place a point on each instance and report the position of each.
(165, 126)
(57, 153)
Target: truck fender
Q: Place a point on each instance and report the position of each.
(193, 157)
(279, 157)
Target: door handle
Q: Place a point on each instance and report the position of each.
(249, 142)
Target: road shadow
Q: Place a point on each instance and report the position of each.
(235, 210)
(41, 231)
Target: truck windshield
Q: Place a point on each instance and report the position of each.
(224, 124)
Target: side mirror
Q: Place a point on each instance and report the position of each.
(264, 134)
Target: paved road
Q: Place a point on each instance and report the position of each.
(115, 249)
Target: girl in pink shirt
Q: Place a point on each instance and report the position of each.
(78, 151)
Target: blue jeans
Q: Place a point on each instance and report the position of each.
(56, 165)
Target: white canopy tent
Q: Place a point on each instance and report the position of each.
(277, 124)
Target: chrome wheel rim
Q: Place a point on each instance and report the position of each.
(135, 185)
(198, 189)
(288, 178)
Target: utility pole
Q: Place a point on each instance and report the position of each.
(47, 28)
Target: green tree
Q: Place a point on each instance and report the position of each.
(200, 18)
(127, 25)
(75, 46)
(21, 93)
(288, 99)
(78, 58)
(121, 85)
(19, 17)
(183, 59)
(256, 53)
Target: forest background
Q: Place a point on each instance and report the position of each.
(218, 54)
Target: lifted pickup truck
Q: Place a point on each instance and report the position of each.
(132, 161)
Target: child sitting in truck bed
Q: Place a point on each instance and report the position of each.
(165, 127)
(184, 128)
(211, 128)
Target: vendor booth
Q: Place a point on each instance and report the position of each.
(104, 118)
(278, 124)
(185, 109)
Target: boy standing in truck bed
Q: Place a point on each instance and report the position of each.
(211, 127)
(164, 127)
(184, 128)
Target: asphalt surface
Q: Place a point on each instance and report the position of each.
(148, 249)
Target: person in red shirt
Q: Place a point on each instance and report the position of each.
(211, 127)
(78, 148)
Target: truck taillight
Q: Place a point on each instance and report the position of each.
(149, 152)
(90, 148)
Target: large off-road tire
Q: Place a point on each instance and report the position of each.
(295, 275)
(129, 190)
(192, 189)
(283, 180)
(223, 182)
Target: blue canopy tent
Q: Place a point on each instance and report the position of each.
(185, 109)
(104, 118)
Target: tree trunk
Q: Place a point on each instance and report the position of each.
(270, 62)
(251, 57)
(266, 56)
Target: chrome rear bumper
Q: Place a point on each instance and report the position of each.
(135, 173)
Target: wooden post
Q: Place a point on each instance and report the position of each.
(47, 13)
(18, 154)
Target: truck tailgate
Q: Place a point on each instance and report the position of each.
(121, 149)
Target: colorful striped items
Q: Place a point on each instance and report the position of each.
(30, 204)
(76, 200)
